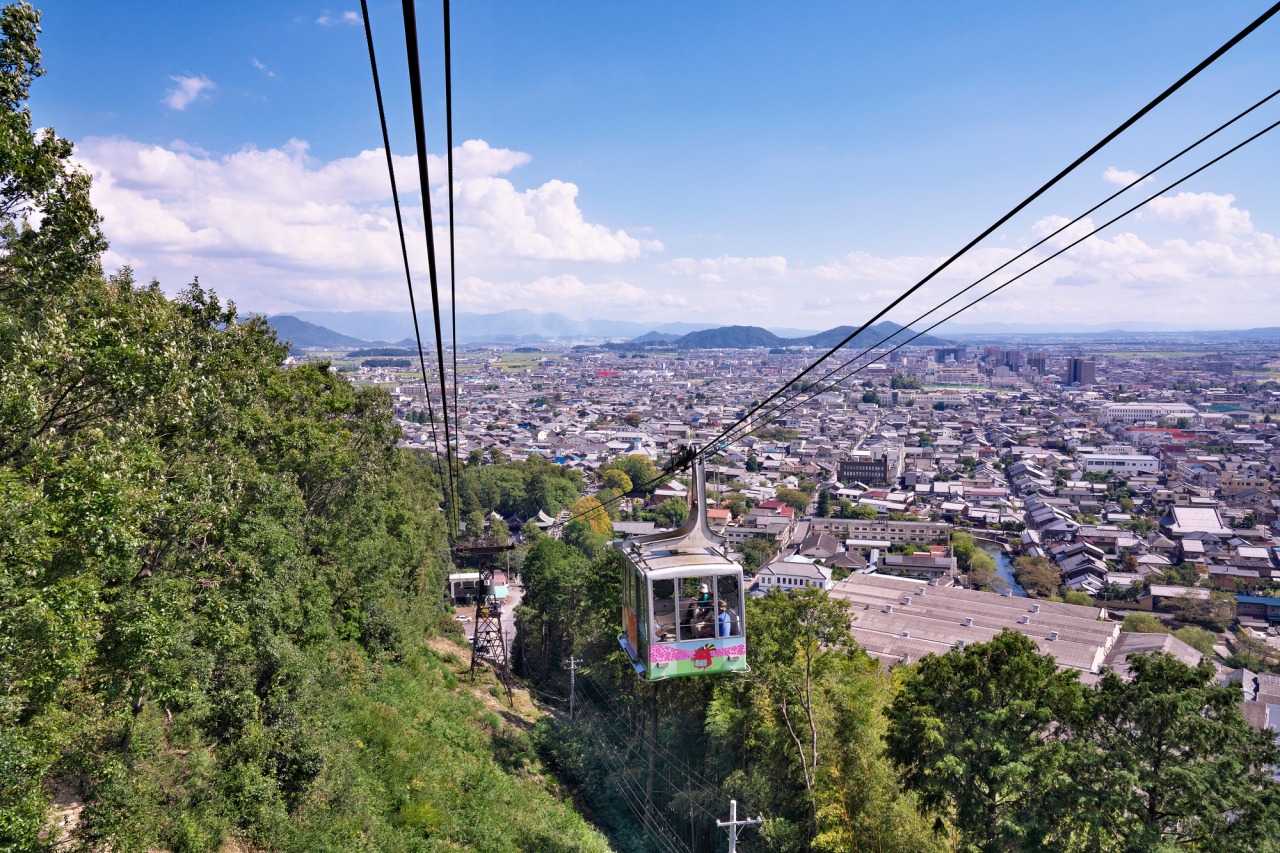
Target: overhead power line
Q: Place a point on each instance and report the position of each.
(650, 818)
(698, 781)
(424, 181)
(1125, 125)
(404, 249)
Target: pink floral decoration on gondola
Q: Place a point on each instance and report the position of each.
(671, 654)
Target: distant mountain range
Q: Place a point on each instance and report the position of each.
(395, 328)
(1126, 329)
(515, 326)
(745, 337)
(302, 333)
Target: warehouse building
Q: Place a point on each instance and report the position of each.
(898, 620)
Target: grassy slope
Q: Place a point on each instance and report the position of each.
(416, 757)
(435, 757)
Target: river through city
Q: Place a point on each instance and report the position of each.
(1004, 566)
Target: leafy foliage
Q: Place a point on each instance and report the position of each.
(638, 469)
(1217, 611)
(215, 573)
(520, 489)
(672, 512)
(1143, 623)
(1024, 757)
(1037, 575)
(592, 514)
(970, 732)
(794, 498)
(1149, 770)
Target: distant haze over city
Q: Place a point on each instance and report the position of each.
(519, 324)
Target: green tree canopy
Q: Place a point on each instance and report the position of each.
(1216, 612)
(672, 512)
(794, 498)
(216, 574)
(616, 479)
(863, 511)
(638, 469)
(1037, 575)
(757, 552)
(1143, 623)
(971, 730)
(1166, 761)
(588, 511)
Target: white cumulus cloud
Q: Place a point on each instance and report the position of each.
(566, 294)
(1190, 259)
(277, 226)
(727, 268)
(328, 19)
(1121, 177)
(186, 91)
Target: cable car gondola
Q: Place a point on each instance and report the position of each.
(682, 599)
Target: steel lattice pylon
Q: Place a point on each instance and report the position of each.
(488, 642)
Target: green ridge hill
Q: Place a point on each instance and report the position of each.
(746, 337)
(302, 334)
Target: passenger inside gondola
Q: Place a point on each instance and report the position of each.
(728, 619)
(696, 623)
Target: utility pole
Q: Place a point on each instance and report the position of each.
(573, 670)
(733, 823)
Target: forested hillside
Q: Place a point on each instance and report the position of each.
(217, 576)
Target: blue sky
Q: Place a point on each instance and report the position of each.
(745, 162)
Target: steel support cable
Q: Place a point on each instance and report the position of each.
(453, 267)
(700, 782)
(588, 681)
(1125, 125)
(635, 801)
(631, 794)
(404, 249)
(774, 413)
(1065, 248)
(647, 820)
(424, 181)
(727, 434)
(704, 783)
(675, 790)
(674, 787)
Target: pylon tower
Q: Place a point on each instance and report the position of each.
(488, 641)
